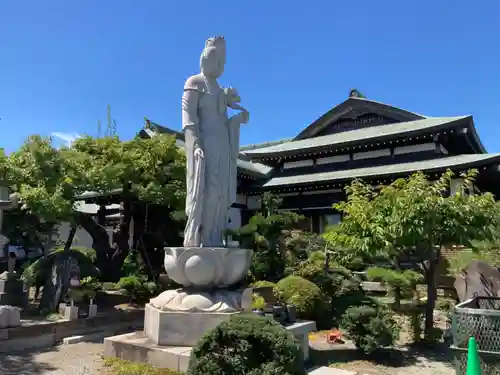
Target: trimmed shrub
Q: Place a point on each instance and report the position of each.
(139, 290)
(247, 344)
(340, 287)
(258, 303)
(263, 283)
(305, 295)
(370, 327)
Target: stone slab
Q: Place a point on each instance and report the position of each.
(137, 347)
(301, 330)
(167, 328)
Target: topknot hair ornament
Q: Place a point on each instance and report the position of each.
(215, 41)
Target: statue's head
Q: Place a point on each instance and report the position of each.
(213, 58)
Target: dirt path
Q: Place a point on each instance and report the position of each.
(85, 359)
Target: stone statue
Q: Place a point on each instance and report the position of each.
(212, 147)
(207, 269)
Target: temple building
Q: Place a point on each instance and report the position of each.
(358, 138)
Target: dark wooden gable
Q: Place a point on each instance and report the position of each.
(355, 120)
(355, 113)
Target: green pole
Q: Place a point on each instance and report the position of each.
(473, 364)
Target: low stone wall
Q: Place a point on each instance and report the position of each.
(43, 334)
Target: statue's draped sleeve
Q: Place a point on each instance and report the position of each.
(234, 141)
(195, 164)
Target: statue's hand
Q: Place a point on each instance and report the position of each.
(199, 152)
(232, 95)
(241, 118)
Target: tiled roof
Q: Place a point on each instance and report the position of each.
(354, 136)
(256, 146)
(437, 164)
(246, 167)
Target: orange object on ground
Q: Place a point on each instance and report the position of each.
(334, 336)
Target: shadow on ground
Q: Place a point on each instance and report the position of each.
(389, 358)
(25, 363)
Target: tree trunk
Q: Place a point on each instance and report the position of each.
(430, 278)
(139, 227)
(109, 268)
(397, 297)
(121, 237)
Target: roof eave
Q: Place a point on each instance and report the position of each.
(495, 160)
(258, 156)
(474, 138)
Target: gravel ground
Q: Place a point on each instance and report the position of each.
(78, 359)
(419, 366)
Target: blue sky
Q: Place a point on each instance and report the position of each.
(62, 62)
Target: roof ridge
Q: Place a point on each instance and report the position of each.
(389, 105)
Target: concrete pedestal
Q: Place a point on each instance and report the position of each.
(179, 328)
(137, 347)
(92, 310)
(71, 313)
(12, 292)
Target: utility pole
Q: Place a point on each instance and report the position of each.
(110, 130)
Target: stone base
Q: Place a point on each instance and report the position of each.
(12, 292)
(179, 328)
(136, 347)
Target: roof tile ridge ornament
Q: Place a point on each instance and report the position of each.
(355, 93)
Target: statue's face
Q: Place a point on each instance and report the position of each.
(212, 62)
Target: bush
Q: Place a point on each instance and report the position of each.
(370, 328)
(247, 344)
(341, 288)
(402, 284)
(445, 304)
(262, 284)
(305, 295)
(258, 303)
(140, 290)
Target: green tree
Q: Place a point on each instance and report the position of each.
(46, 180)
(399, 281)
(150, 171)
(266, 235)
(415, 218)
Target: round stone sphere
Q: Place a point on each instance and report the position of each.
(199, 270)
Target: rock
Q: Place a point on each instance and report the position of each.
(478, 279)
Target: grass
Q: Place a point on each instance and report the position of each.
(116, 366)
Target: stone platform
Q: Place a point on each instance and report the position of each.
(137, 347)
(172, 328)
